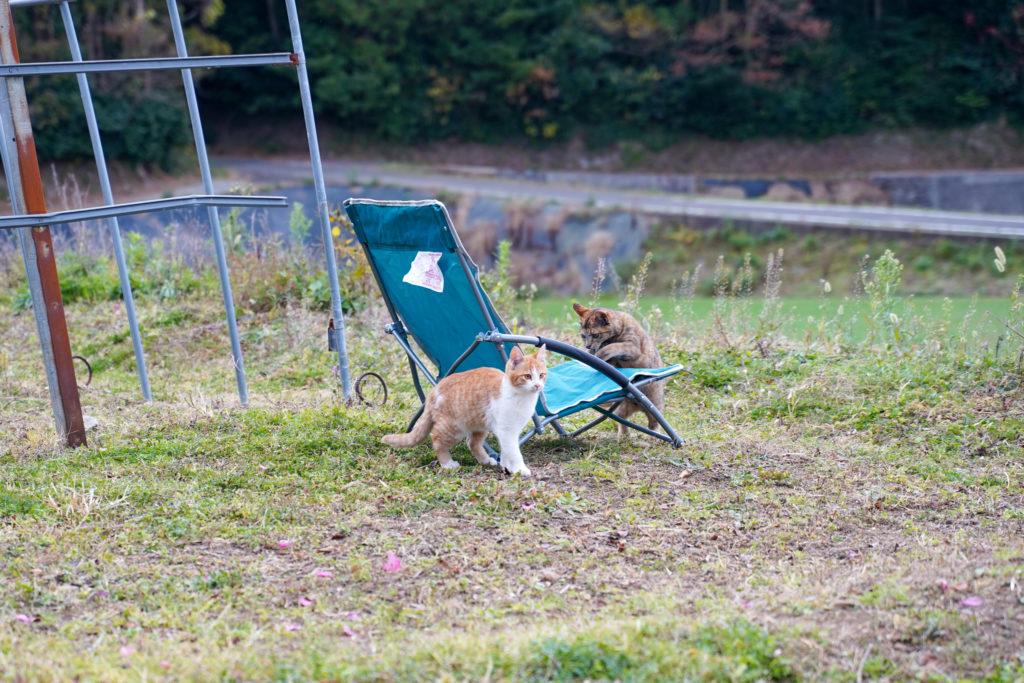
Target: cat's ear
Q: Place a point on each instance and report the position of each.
(542, 352)
(600, 318)
(580, 310)
(515, 358)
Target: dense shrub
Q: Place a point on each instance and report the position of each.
(492, 70)
(651, 70)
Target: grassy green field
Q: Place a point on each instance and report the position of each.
(984, 316)
(848, 506)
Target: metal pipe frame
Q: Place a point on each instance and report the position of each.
(108, 198)
(218, 237)
(13, 177)
(36, 244)
(144, 64)
(130, 208)
(305, 95)
(11, 74)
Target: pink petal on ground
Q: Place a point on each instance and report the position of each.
(284, 544)
(23, 618)
(305, 602)
(349, 633)
(392, 564)
(528, 505)
(354, 616)
(746, 604)
(292, 627)
(972, 601)
(943, 585)
(323, 573)
(164, 664)
(127, 650)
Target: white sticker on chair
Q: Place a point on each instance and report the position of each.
(425, 272)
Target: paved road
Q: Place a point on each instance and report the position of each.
(901, 220)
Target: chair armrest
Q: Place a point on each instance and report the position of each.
(562, 349)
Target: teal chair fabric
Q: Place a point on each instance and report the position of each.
(437, 303)
(573, 386)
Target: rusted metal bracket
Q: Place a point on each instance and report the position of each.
(27, 197)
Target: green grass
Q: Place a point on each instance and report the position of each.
(985, 315)
(834, 504)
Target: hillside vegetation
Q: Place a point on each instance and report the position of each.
(490, 71)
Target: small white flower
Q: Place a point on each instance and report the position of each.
(1000, 260)
(894, 319)
(826, 286)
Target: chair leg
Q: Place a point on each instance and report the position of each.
(491, 452)
(416, 381)
(528, 435)
(670, 436)
(415, 418)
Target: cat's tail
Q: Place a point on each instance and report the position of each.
(418, 433)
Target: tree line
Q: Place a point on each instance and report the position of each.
(546, 70)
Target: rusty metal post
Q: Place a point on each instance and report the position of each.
(40, 264)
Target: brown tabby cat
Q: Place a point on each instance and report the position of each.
(475, 402)
(618, 339)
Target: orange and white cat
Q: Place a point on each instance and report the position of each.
(477, 402)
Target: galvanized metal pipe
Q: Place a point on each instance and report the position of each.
(37, 245)
(145, 206)
(108, 198)
(144, 64)
(321, 195)
(204, 169)
(12, 175)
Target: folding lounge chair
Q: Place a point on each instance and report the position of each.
(432, 290)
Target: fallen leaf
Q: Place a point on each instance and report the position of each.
(392, 564)
(972, 601)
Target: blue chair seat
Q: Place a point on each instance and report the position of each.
(573, 386)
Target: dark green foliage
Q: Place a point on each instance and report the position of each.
(424, 69)
(494, 70)
(141, 127)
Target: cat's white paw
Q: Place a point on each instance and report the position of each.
(450, 465)
(521, 470)
(492, 462)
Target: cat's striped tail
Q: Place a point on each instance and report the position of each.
(418, 433)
